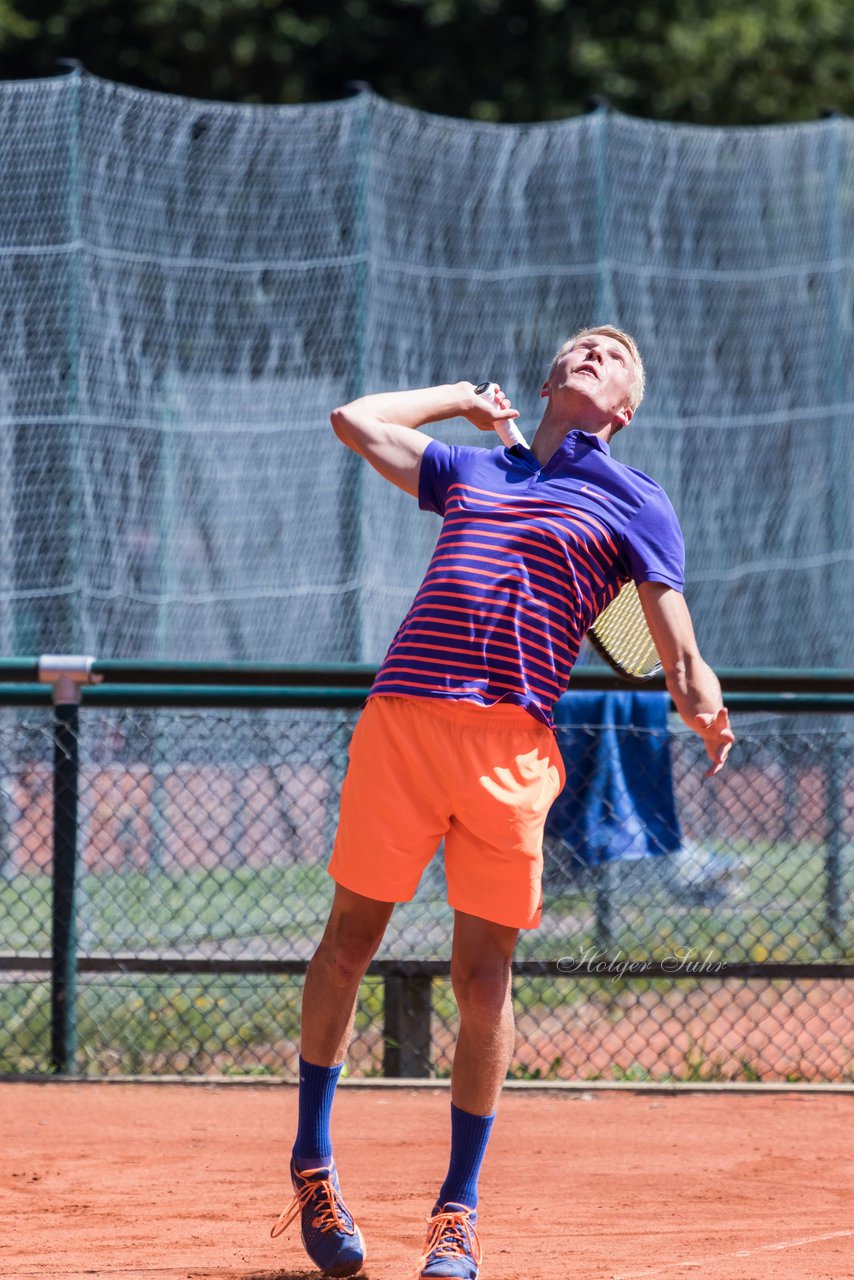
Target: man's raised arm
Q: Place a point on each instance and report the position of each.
(382, 428)
(691, 683)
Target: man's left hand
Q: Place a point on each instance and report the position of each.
(718, 737)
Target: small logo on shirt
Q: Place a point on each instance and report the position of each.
(585, 488)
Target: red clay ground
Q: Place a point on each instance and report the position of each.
(171, 1182)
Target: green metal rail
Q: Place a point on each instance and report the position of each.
(349, 696)
(353, 675)
(116, 682)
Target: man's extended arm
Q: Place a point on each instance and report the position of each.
(381, 427)
(691, 683)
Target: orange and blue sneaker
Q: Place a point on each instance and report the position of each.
(452, 1251)
(330, 1235)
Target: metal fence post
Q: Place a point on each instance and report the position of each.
(66, 675)
(603, 882)
(407, 1035)
(833, 862)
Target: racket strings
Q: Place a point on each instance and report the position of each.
(622, 636)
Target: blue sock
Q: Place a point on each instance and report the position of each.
(313, 1146)
(469, 1136)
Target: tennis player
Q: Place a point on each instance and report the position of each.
(457, 741)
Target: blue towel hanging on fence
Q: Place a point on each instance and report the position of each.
(618, 801)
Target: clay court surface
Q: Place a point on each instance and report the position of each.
(174, 1182)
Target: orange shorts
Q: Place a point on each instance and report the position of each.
(483, 778)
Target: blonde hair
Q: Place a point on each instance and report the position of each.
(608, 331)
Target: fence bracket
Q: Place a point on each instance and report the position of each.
(67, 673)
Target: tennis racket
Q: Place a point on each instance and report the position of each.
(620, 634)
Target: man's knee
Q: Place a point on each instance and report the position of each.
(349, 944)
(482, 989)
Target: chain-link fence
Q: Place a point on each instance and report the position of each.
(691, 929)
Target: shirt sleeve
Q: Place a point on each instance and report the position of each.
(440, 467)
(653, 544)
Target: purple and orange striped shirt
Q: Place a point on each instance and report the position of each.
(527, 559)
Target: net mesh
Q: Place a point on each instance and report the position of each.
(188, 288)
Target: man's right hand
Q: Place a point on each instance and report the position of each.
(485, 411)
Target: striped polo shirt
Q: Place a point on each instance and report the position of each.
(527, 559)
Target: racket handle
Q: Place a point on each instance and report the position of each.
(506, 429)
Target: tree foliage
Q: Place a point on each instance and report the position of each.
(732, 62)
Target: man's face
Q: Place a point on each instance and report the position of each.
(597, 375)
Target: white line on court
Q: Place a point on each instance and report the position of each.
(725, 1257)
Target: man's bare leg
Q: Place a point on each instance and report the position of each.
(480, 973)
(353, 933)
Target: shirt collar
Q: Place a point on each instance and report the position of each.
(596, 441)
